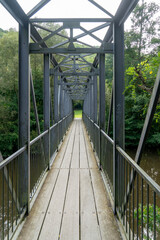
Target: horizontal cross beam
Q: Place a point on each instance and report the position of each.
(34, 48)
(74, 74)
(39, 20)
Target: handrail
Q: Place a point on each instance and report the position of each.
(105, 135)
(12, 157)
(141, 172)
(21, 150)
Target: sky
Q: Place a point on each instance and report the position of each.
(64, 9)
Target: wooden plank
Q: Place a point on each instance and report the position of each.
(35, 219)
(91, 158)
(89, 223)
(83, 153)
(107, 222)
(70, 223)
(60, 155)
(67, 157)
(75, 155)
(51, 227)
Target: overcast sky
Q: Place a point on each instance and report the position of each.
(63, 8)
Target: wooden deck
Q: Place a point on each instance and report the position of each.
(72, 204)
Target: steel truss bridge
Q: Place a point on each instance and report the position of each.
(76, 78)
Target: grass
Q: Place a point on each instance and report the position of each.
(77, 113)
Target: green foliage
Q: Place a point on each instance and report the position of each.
(137, 96)
(151, 218)
(2, 32)
(9, 93)
(9, 88)
(77, 104)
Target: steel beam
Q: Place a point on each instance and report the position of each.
(74, 73)
(149, 117)
(101, 100)
(56, 117)
(102, 91)
(34, 48)
(24, 116)
(16, 11)
(95, 98)
(46, 108)
(41, 4)
(101, 8)
(110, 114)
(70, 20)
(118, 107)
(34, 104)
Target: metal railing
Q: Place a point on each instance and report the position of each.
(12, 208)
(137, 194)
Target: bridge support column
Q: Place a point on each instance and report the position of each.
(95, 98)
(101, 99)
(91, 99)
(24, 116)
(118, 111)
(46, 108)
(55, 98)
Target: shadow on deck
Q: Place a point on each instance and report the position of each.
(73, 202)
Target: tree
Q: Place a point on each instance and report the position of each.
(9, 93)
(143, 38)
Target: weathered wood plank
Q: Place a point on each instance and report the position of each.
(35, 219)
(70, 223)
(51, 227)
(60, 156)
(83, 153)
(107, 223)
(75, 154)
(67, 157)
(89, 224)
(90, 155)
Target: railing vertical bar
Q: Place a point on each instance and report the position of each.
(7, 179)
(133, 195)
(16, 167)
(126, 195)
(154, 215)
(3, 203)
(124, 182)
(147, 211)
(129, 206)
(137, 206)
(142, 208)
(12, 194)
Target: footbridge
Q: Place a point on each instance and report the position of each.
(74, 180)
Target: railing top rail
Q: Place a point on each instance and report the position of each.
(105, 135)
(140, 171)
(12, 157)
(21, 150)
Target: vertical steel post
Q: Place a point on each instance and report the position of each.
(91, 99)
(46, 107)
(24, 116)
(118, 106)
(95, 98)
(101, 99)
(55, 98)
